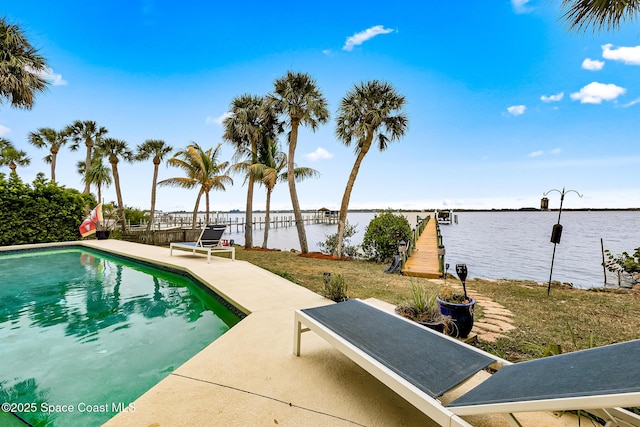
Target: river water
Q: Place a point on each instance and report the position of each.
(503, 245)
(516, 245)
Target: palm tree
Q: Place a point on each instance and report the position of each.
(158, 149)
(202, 169)
(99, 174)
(298, 98)
(115, 149)
(270, 170)
(599, 14)
(22, 69)
(10, 156)
(44, 137)
(371, 110)
(251, 121)
(90, 134)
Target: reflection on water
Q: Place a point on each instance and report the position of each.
(79, 327)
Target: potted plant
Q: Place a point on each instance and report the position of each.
(458, 305)
(423, 309)
(108, 223)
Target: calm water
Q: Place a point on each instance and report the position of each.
(516, 245)
(91, 333)
(513, 245)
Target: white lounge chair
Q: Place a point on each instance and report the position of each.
(421, 365)
(210, 240)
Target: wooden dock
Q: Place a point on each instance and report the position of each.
(424, 260)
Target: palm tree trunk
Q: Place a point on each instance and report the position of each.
(267, 218)
(344, 206)
(206, 198)
(53, 167)
(87, 166)
(153, 196)
(99, 193)
(248, 221)
(116, 180)
(293, 140)
(195, 210)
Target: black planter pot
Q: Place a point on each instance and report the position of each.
(436, 326)
(102, 234)
(461, 316)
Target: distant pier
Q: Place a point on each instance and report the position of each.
(238, 223)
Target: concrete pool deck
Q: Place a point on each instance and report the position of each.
(250, 377)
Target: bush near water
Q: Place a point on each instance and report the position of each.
(41, 212)
(380, 242)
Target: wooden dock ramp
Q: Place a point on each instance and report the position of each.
(424, 261)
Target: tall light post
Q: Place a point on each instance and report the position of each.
(556, 233)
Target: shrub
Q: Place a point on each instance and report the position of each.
(135, 215)
(629, 263)
(335, 288)
(626, 264)
(41, 212)
(383, 234)
(329, 245)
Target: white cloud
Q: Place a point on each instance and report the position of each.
(552, 98)
(539, 153)
(320, 153)
(218, 120)
(516, 110)
(520, 6)
(48, 74)
(358, 38)
(628, 55)
(632, 103)
(592, 64)
(327, 52)
(57, 80)
(595, 93)
(4, 130)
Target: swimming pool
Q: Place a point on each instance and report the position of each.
(84, 333)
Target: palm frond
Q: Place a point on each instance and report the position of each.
(599, 14)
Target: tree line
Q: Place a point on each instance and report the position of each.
(371, 110)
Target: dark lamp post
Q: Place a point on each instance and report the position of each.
(556, 232)
(461, 271)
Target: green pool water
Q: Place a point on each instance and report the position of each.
(83, 334)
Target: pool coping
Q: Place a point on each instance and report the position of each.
(249, 376)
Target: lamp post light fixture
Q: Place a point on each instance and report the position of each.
(402, 247)
(556, 232)
(461, 270)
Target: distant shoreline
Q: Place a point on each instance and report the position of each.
(308, 211)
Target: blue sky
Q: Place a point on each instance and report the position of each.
(504, 103)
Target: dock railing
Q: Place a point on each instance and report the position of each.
(441, 250)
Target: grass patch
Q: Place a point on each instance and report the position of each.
(571, 318)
